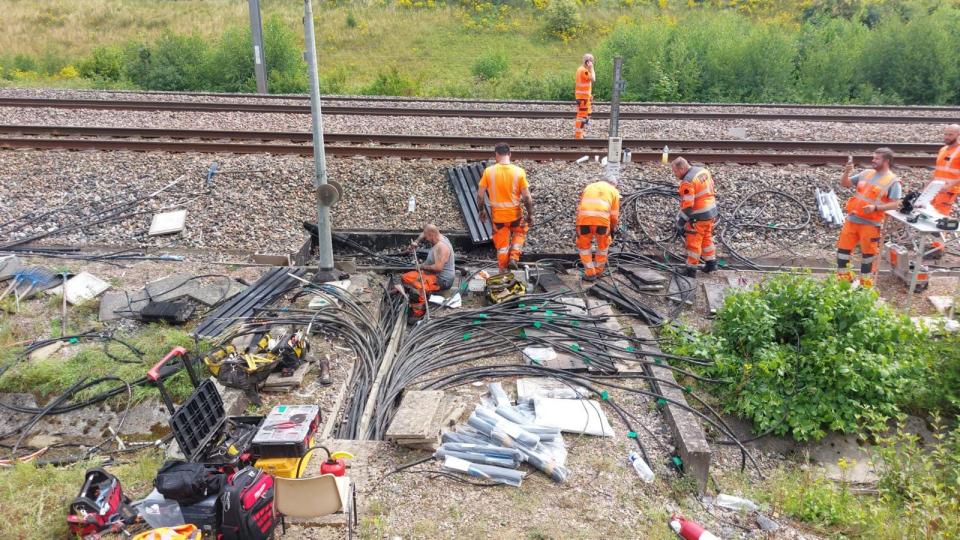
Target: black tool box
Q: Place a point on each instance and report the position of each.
(204, 514)
(287, 431)
(200, 425)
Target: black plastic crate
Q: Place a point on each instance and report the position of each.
(198, 420)
(204, 514)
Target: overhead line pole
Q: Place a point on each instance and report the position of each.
(325, 241)
(259, 61)
(614, 150)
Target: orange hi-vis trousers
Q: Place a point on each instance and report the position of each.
(593, 261)
(698, 237)
(412, 280)
(508, 238)
(584, 108)
(852, 235)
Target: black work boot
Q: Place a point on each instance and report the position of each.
(325, 372)
(710, 266)
(690, 271)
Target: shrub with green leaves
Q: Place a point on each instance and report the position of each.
(802, 356)
(490, 66)
(563, 19)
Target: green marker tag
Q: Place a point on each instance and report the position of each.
(604, 395)
(575, 324)
(575, 347)
(630, 348)
(661, 402)
(73, 340)
(476, 321)
(534, 308)
(549, 313)
(677, 462)
(466, 336)
(482, 316)
(658, 361)
(521, 306)
(688, 389)
(537, 324)
(523, 335)
(631, 434)
(281, 408)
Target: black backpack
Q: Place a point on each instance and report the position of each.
(247, 506)
(188, 483)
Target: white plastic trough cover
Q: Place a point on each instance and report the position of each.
(82, 287)
(573, 416)
(168, 222)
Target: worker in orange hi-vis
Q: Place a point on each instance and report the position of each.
(435, 274)
(947, 170)
(504, 186)
(878, 190)
(698, 210)
(583, 91)
(598, 217)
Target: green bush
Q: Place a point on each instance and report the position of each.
(490, 66)
(103, 64)
(562, 19)
(230, 68)
(351, 20)
(392, 83)
(175, 63)
(802, 356)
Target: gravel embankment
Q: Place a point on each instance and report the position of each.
(374, 101)
(507, 127)
(259, 201)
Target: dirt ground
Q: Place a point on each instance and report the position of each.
(603, 498)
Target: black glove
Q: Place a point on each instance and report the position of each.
(681, 224)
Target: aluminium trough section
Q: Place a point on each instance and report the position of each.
(464, 181)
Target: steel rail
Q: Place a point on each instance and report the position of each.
(334, 110)
(676, 145)
(429, 153)
(570, 103)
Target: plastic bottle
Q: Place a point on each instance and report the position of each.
(665, 156)
(639, 465)
(735, 503)
(411, 204)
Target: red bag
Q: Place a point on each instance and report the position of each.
(99, 505)
(247, 506)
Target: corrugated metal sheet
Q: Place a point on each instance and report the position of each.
(464, 181)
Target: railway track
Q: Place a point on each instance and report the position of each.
(480, 142)
(134, 105)
(665, 104)
(407, 152)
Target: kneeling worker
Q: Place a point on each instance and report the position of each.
(598, 216)
(698, 210)
(437, 270)
(878, 190)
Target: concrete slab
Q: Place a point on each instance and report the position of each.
(942, 304)
(682, 289)
(856, 459)
(215, 293)
(645, 275)
(169, 288)
(688, 434)
(120, 304)
(234, 401)
(416, 417)
(276, 382)
(46, 351)
(9, 266)
(715, 294)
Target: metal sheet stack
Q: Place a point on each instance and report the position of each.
(464, 181)
(265, 291)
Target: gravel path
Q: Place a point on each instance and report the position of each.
(259, 201)
(507, 127)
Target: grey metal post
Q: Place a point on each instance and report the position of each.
(319, 157)
(615, 97)
(259, 61)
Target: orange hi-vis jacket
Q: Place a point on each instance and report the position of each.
(698, 201)
(503, 185)
(599, 205)
(948, 166)
(871, 189)
(584, 86)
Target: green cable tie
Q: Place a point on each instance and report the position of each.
(482, 315)
(466, 336)
(661, 402)
(523, 335)
(534, 308)
(630, 348)
(521, 306)
(604, 395)
(677, 462)
(537, 324)
(549, 313)
(575, 347)
(73, 340)
(688, 389)
(631, 434)
(575, 324)
(658, 361)
(476, 321)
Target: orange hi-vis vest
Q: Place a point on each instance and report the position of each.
(698, 200)
(503, 185)
(599, 205)
(584, 86)
(948, 166)
(871, 189)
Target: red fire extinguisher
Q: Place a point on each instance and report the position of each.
(690, 530)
